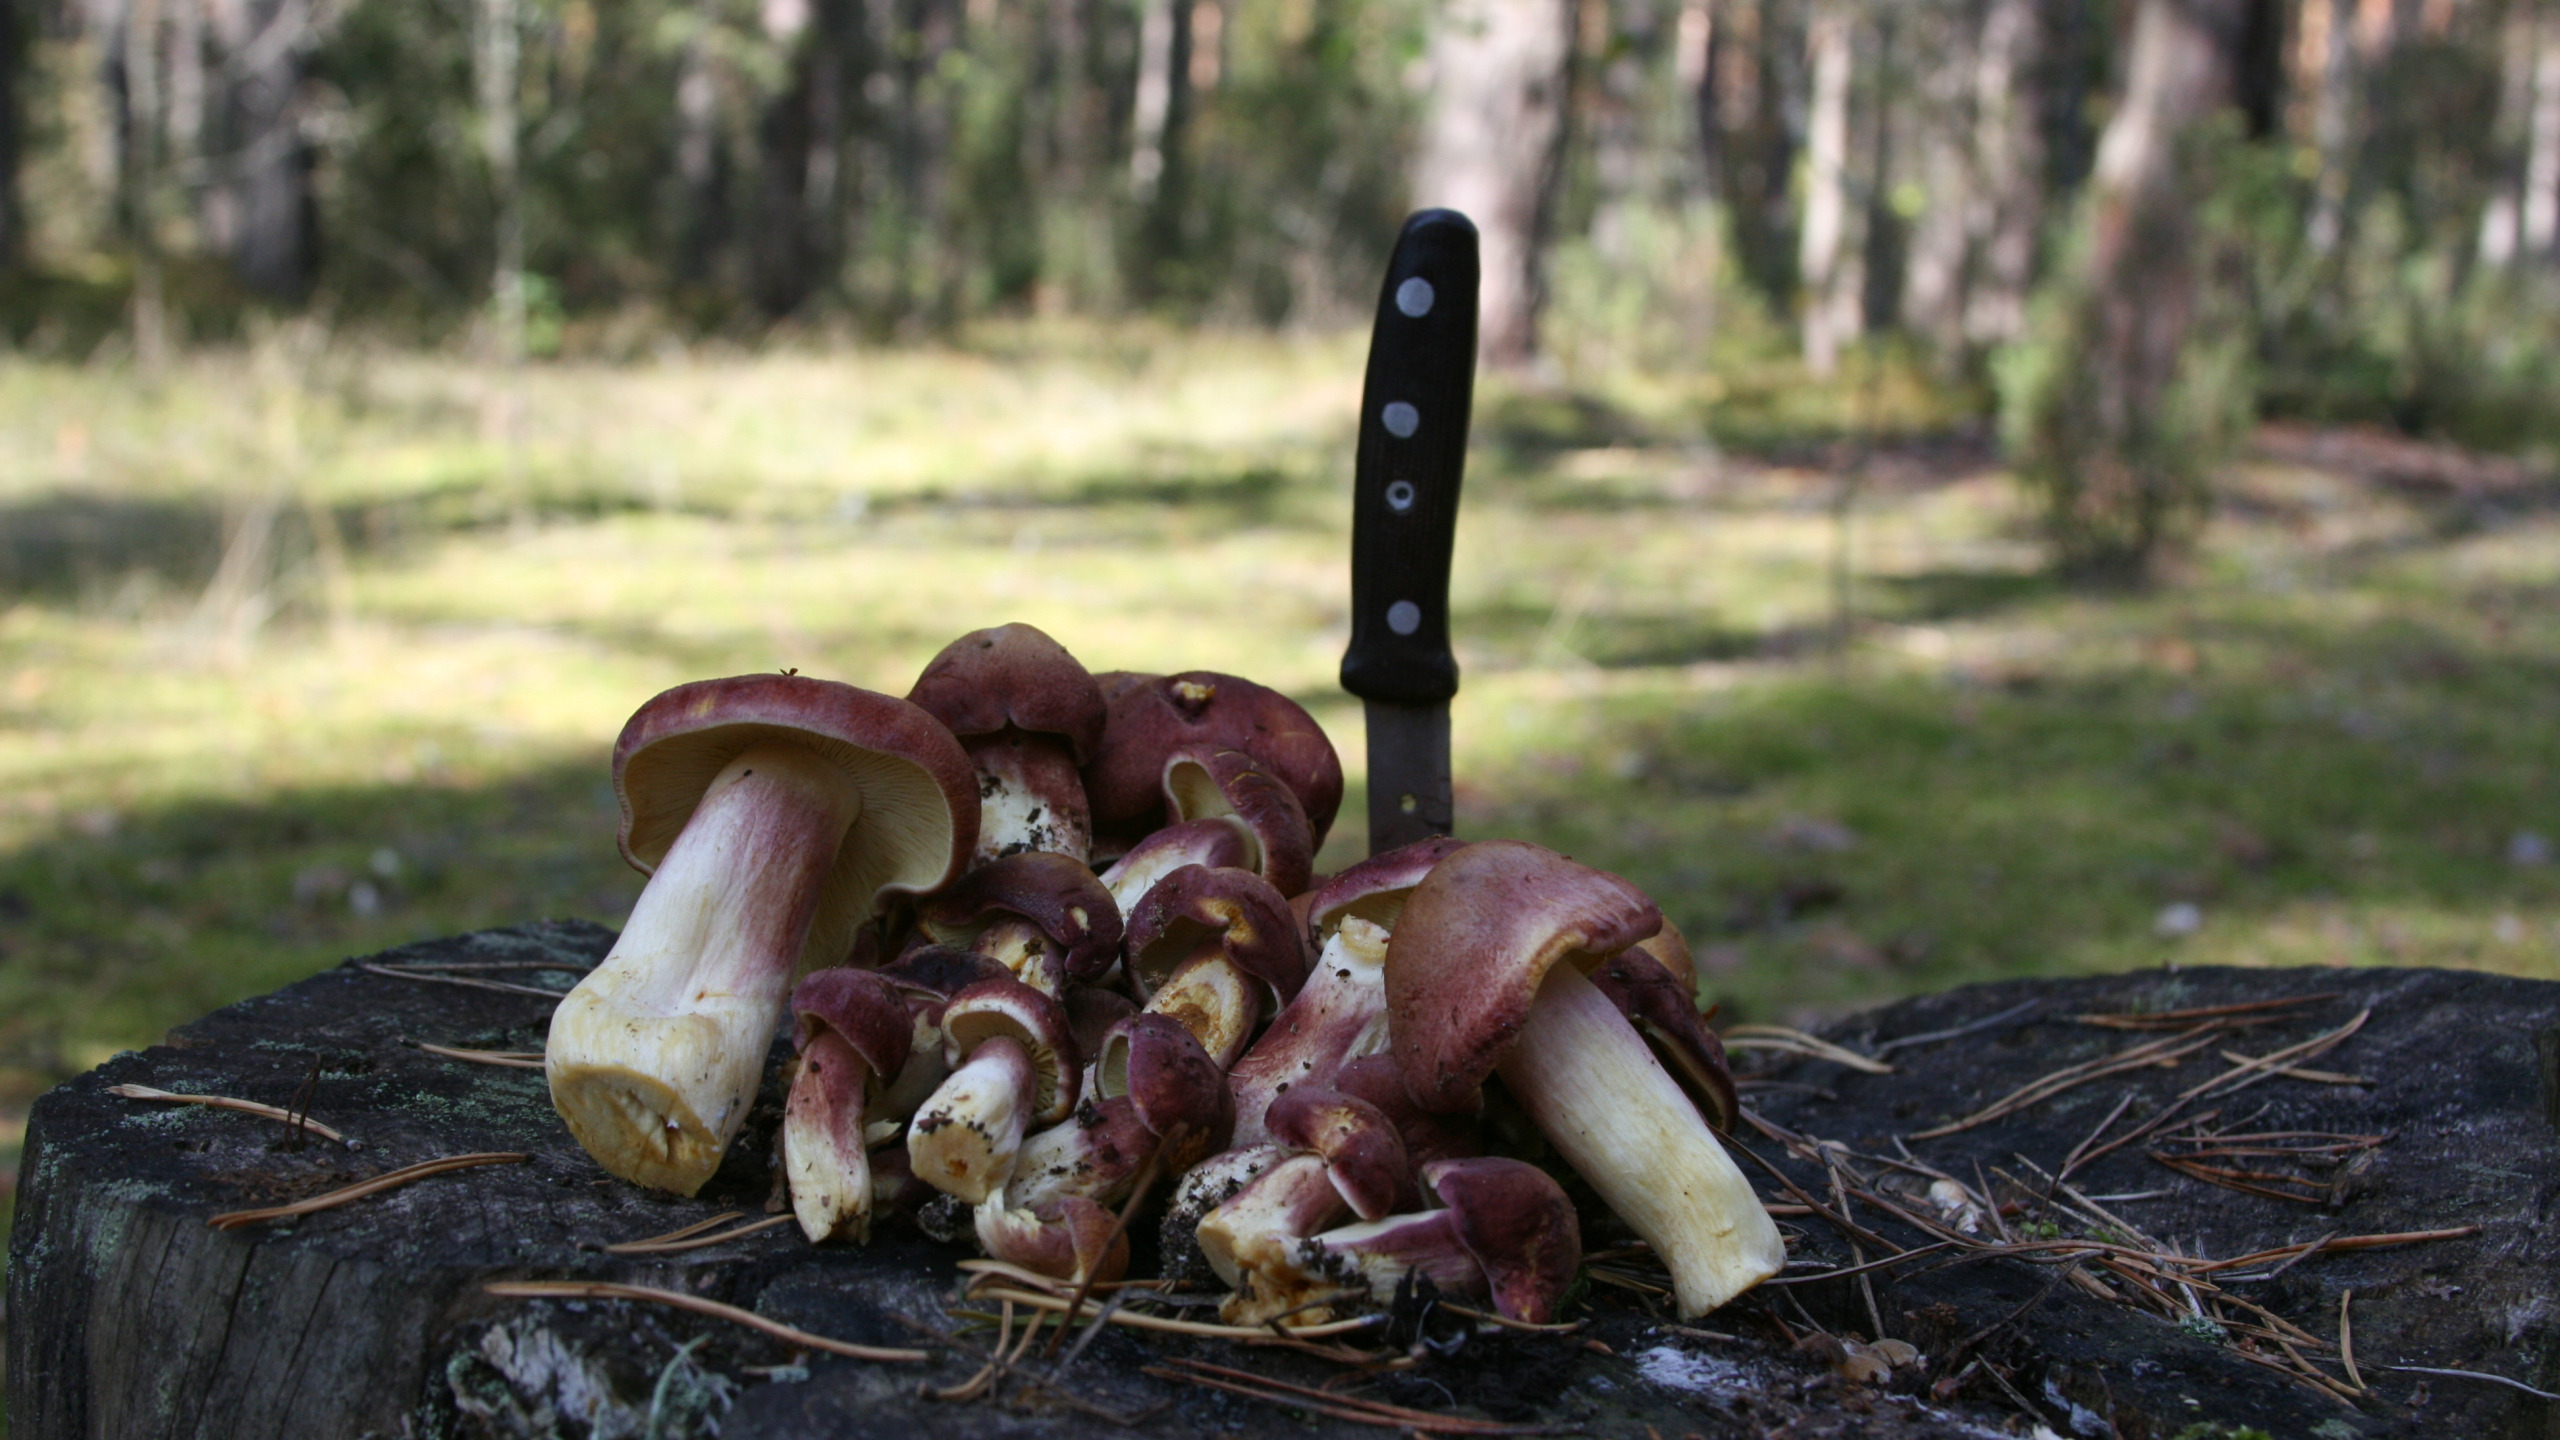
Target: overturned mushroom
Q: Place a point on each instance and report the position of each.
(1216, 950)
(853, 1040)
(1045, 916)
(772, 813)
(1151, 1083)
(1339, 1158)
(1486, 974)
(1029, 716)
(1218, 841)
(1502, 1230)
(1015, 1064)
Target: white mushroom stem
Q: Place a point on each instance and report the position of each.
(1250, 1239)
(825, 1157)
(964, 1139)
(1029, 797)
(1217, 1002)
(1377, 1254)
(1624, 1125)
(655, 1056)
(1340, 1016)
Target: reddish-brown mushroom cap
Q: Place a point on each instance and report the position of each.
(1427, 1135)
(1013, 675)
(1054, 892)
(1169, 1080)
(1068, 1237)
(1519, 1226)
(1153, 716)
(1199, 783)
(919, 815)
(1237, 910)
(1476, 938)
(1376, 888)
(1364, 1158)
(1212, 840)
(860, 1008)
(1037, 1023)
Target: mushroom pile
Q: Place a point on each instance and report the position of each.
(1041, 935)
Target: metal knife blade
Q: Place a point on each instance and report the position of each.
(1414, 407)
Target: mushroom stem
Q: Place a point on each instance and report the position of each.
(1595, 1090)
(963, 1142)
(1029, 796)
(655, 1056)
(824, 1150)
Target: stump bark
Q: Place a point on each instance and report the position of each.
(130, 1317)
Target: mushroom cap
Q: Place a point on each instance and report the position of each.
(1013, 675)
(1515, 1220)
(1153, 715)
(1670, 949)
(1200, 782)
(919, 816)
(1476, 938)
(1363, 1156)
(1661, 1008)
(1210, 840)
(1066, 1238)
(865, 1010)
(1055, 892)
(1157, 1066)
(1376, 888)
(1010, 1008)
(929, 975)
(1240, 910)
(1427, 1135)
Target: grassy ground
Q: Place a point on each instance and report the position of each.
(306, 651)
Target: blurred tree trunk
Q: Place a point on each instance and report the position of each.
(2501, 219)
(2127, 401)
(2540, 212)
(16, 22)
(496, 55)
(702, 190)
(1489, 148)
(1749, 113)
(266, 172)
(795, 142)
(1831, 287)
(137, 51)
(1984, 171)
(1159, 153)
(2331, 25)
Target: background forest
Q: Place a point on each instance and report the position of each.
(1960, 487)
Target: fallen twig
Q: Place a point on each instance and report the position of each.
(1337, 1406)
(2179, 1019)
(1987, 1022)
(2344, 1242)
(1119, 1226)
(2165, 1051)
(1789, 1040)
(673, 1244)
(1243, 1334)
(2347, 1341)
(225, 1102)
(432, 978)
(392, 1180)
(511, 1059)
(612, 1290)
(2474, 1375)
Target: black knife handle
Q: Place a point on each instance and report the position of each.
(1413, 452)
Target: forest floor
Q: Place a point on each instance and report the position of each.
(307, 652)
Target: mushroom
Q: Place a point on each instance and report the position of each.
(772, 814)
(1503, 1229)
(1340, 1158)
(1044, 915)
(1029, 716)
(1014, 1062)
(1216, 841)
(853, 1038)
(1151, 717)
(1340, 1014)
(1151, 1081)
(1475, 987)
(926, 977)
(1069, 1238)
(1217, 950)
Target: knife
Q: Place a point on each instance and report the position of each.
(1414, 406)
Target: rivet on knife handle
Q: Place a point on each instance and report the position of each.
(1414, 411)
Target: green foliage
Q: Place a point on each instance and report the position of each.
(2117, 444)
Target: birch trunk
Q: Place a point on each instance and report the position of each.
(1830, 297)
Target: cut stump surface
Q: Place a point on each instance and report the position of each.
(131, 1317)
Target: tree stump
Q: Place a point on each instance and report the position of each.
(131, 1317)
